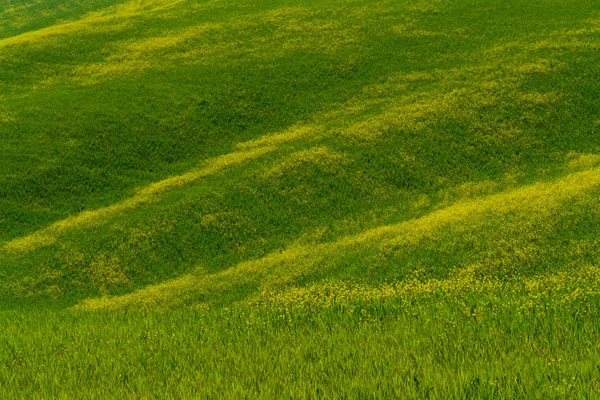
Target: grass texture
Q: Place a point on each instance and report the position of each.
(343, 198)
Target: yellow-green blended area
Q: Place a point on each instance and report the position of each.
(86, 219)
(284, 267)
(293, 199)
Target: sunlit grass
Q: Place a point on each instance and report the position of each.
(489, 344)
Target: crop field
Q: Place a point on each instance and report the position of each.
(299, 199)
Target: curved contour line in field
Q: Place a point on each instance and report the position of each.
(284, 266)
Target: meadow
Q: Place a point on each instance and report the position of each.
(294, 199)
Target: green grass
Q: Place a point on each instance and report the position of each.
(336, 198)
(416, 348)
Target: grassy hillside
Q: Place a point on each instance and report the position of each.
(407, 191)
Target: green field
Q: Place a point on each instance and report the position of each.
(299, 199)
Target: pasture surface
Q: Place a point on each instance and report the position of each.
(342, 198)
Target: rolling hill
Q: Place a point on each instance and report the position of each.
(231, 198)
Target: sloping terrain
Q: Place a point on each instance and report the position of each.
(145, 140)
(289, 155)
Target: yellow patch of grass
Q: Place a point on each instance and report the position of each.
(421, 202)
(539, 67)
(90, 24)
(411, 31)
(290, 135)
(6, 117)
(327, 160)
(593, 27)
(106, 270)
(583, 281)
(458, 93)
(284, 267)
(91, 74)
(108, 20)
(453, 93)
(318, 35)
(38, 284)
(14, 9)
(139, 55)
(582, 161)
(411, 115)
(557, 41)
(413, 76)
(275, 268)
(150, 193)
(394, 86)
(540, 199)
(144, 46)
(540, 98)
